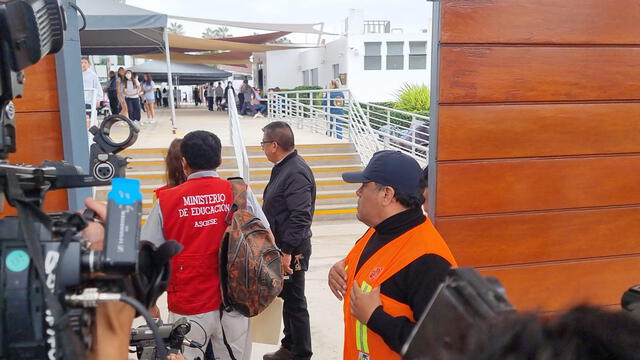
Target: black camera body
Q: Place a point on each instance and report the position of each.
(50, 279)
(173, 335)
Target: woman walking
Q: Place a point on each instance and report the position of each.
(120, 91)
(131, 89)
(148, 87)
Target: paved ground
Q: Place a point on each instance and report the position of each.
(331, 240)
(191, 118)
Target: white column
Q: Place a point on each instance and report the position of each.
(172, 105)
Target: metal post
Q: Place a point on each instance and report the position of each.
(434, 113)
(167, 52)
(71, 101)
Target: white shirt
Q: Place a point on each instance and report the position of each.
(90, 81)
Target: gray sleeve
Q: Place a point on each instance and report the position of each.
(152, 229)
(254, 207)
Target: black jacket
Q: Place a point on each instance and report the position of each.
(289, 203)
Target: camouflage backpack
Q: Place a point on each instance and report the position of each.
(250, 262)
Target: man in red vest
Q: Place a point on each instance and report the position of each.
(193, 214)
(392, 272)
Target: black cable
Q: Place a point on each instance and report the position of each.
(84, 18)
(206, 338)
(161, 348)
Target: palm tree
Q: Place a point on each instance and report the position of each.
(209, 33)
(176, 28)
(221, 32)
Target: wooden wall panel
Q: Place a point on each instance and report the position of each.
(39, 135)
(492, 131)
(481, 74)
(487, 187)
(40, 92)
(549, 236)
(541, 21)
(551, 287)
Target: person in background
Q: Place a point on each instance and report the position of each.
(219, 92)
(336, 107)
(112, 92)
(247, 95)
(393, 271)
(210, 96)
(131, 90)
(165, 98)
(196, 95)
(148, 87)
(121, 98)
(90, 82)
(226, 94)
(257, 104)
(289, 204)
(158, 93)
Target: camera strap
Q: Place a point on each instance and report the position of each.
(29, 215)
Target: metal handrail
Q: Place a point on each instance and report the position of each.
(371, 127)
(237, 140)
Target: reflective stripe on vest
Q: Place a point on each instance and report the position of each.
(382, 265)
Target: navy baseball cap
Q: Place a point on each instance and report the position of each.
(390, 168)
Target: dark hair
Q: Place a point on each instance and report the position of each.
(424, 178)
(149, 79)
(281, 133)
(85, 58)
(112, 73)
(585, 333)
(173, 160)
(410, 201)
(202, 150)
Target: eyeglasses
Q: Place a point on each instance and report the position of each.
(266, 142)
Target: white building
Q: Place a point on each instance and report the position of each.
(373, 58)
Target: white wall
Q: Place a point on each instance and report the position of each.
(282, 69)
(381, 85)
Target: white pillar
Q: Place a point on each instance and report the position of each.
(172, 105)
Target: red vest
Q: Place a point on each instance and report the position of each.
(193, 214)
(359, 341)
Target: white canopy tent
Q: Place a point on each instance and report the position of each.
(114, 28)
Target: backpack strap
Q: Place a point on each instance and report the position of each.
(224, 337)
(239, 189)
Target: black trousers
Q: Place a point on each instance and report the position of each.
(210, 103)
(114, 104)
(297, 331)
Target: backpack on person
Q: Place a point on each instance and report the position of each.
(250, 262)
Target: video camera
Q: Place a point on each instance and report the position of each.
(172, 334)
(462, 301)
(50, 280)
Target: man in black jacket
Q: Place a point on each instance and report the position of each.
(289, 202)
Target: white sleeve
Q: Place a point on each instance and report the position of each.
(152, 229)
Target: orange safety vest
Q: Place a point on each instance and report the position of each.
(360, 343)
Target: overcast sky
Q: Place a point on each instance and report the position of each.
(411, 15)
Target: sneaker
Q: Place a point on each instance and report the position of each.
(152, 121)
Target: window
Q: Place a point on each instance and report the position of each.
(395, 55)
(336, 70)
(305, 78)
(417, 54)
(372, 56)
(314, 77)
(120, 60)
(242, 77)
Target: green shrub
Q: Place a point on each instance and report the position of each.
(413, 98)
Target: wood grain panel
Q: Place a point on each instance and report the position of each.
(483, 132)
(541, 21)
(486, 187)
(40, 92)
(39, 138)
(484, 74)
(551, 287)
(533, 237)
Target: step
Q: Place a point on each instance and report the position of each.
(337, 148)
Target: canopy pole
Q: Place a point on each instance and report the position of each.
(172, 105)
(320, 35)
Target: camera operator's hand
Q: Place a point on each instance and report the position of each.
(114, 319)
(95, 232)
